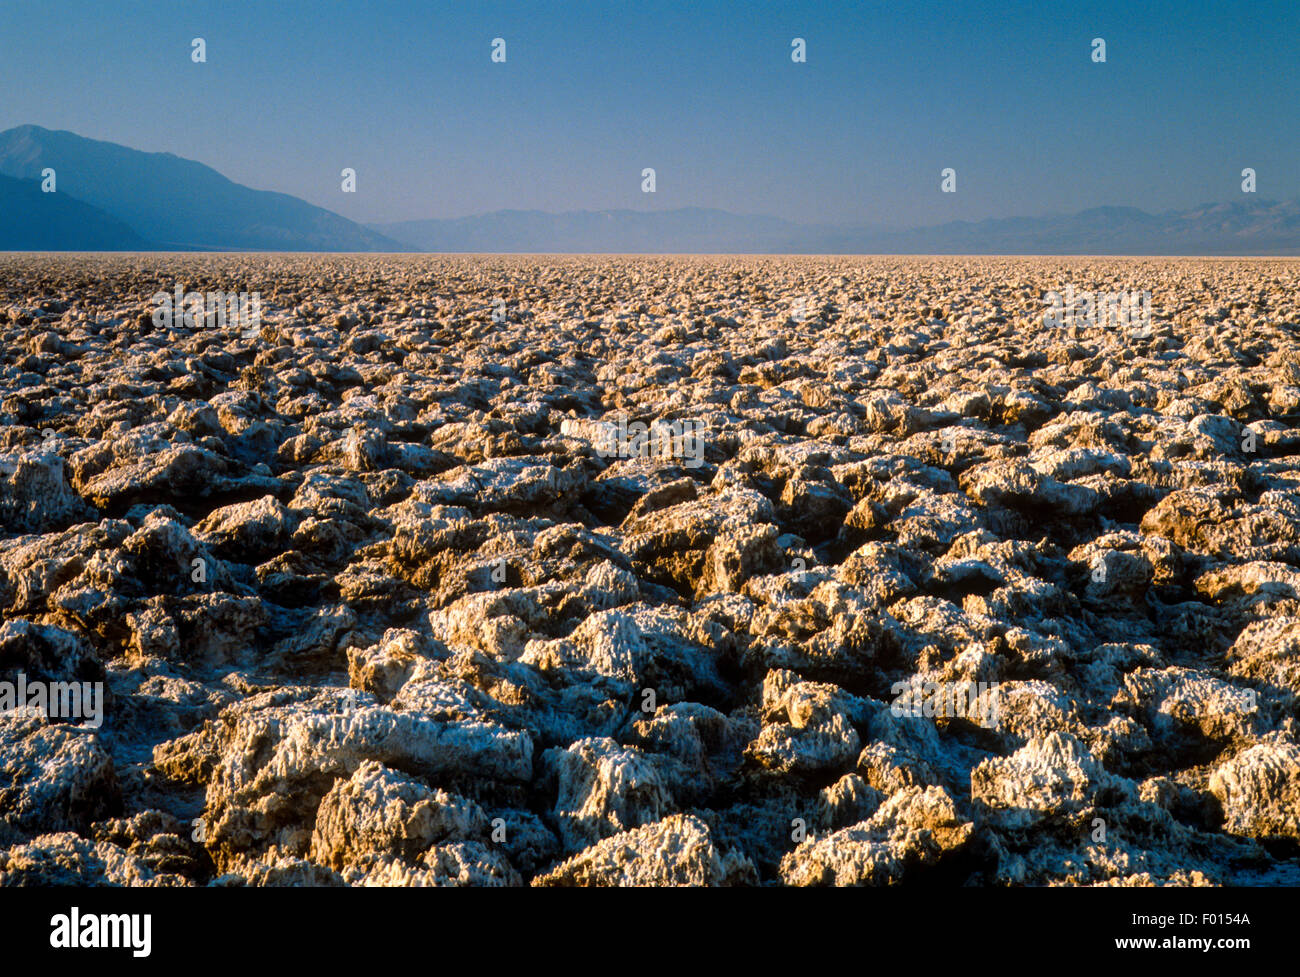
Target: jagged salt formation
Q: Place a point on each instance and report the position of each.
(374, 604)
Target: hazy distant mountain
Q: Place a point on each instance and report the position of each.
(177, 202)
(34, 221)
(1263, 227)
(133, 201)
(689, 230)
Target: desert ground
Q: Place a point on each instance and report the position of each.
(563, 570)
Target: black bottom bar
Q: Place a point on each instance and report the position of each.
(293, 927)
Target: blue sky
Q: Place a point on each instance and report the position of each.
(706, 93)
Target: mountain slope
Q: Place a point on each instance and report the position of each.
(34, 221)
(178, 202)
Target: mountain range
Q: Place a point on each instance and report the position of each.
(1264, 227)
(173, 203)
(113, 198)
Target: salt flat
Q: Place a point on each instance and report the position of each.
(491, 570)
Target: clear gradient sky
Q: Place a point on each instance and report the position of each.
(706, 93)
